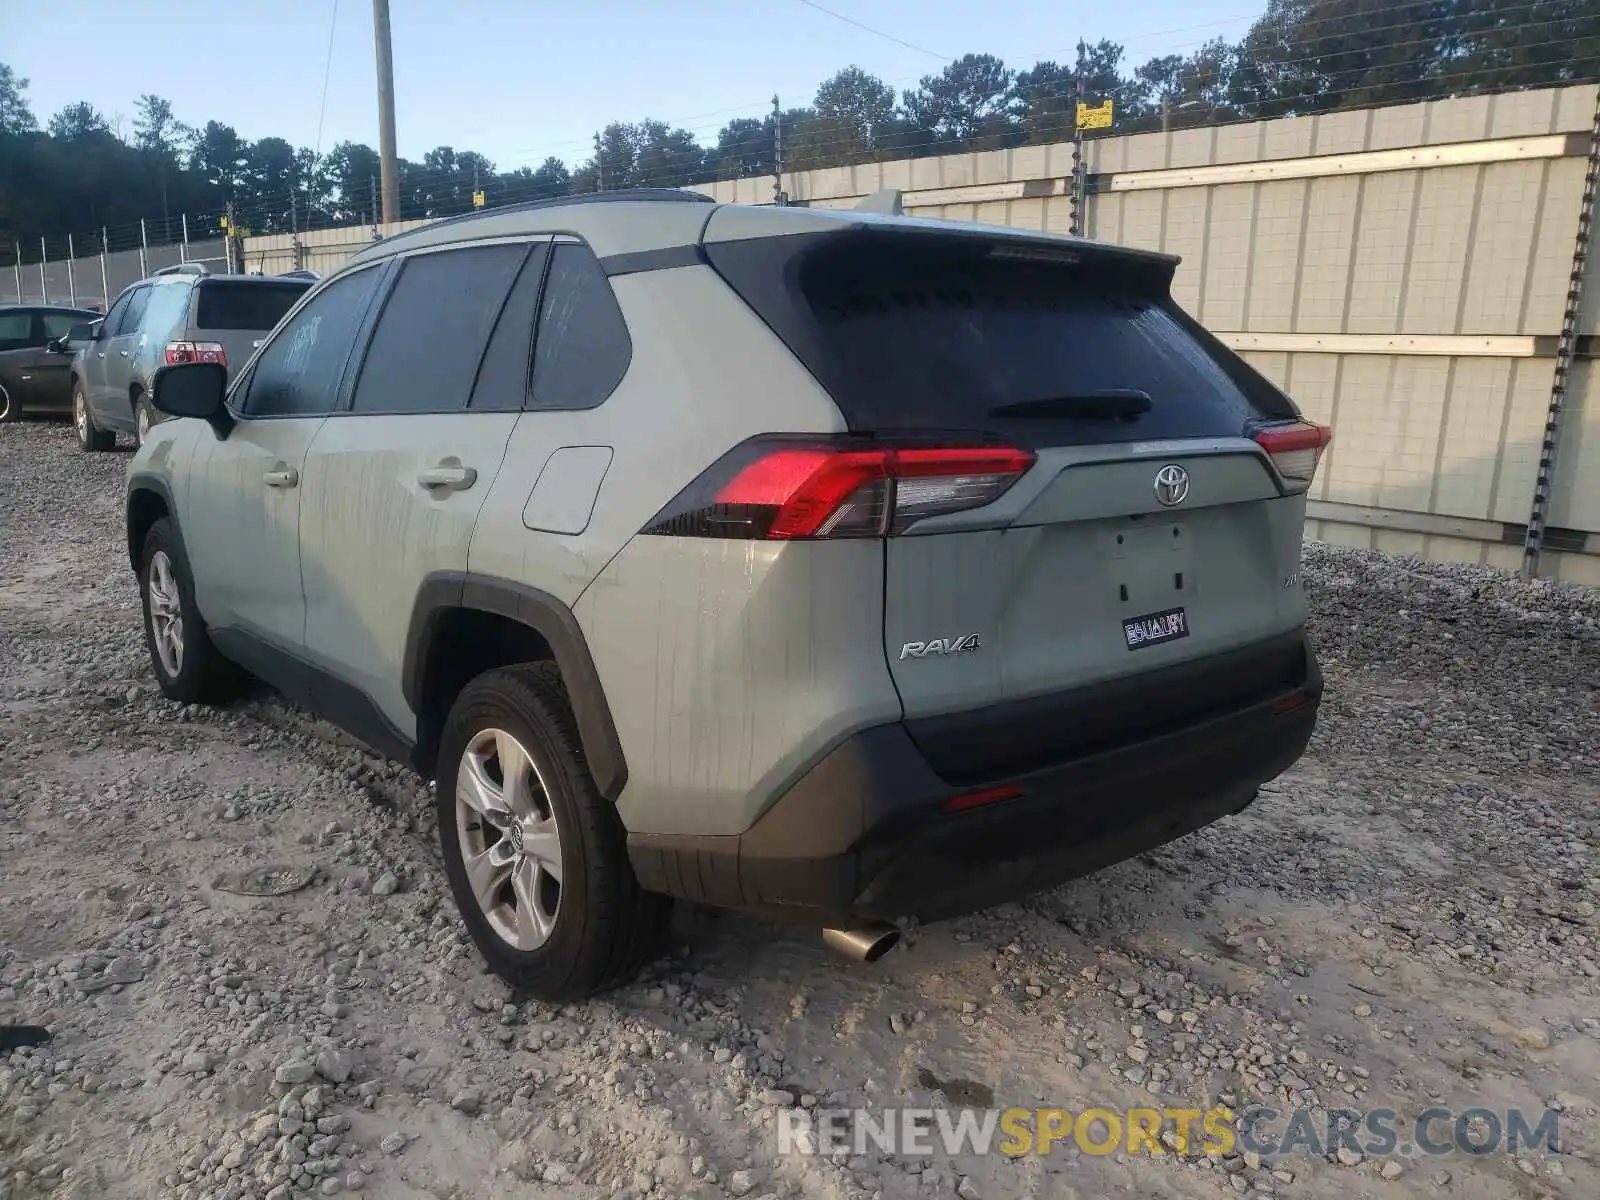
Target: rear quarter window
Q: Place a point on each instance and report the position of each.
(250, 306)
(164, 315)
(582, 348)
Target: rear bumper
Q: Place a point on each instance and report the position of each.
(868, 832)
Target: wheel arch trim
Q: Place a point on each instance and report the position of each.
(447, 591)
(149, 484)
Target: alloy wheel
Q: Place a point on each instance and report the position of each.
(142, 423)
(509, 837)
(166, 613)
(80, 417)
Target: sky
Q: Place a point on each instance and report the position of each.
(517, 82)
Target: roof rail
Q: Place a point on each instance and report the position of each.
(184, 268)
(667, 195)
(301, 273)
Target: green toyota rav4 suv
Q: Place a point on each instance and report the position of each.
(837, 566)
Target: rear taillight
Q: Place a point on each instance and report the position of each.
(190, 352)
(1295, 449)
(782, 489)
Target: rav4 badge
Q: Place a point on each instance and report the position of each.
(953, 645)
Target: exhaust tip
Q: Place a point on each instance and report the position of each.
(867, 943)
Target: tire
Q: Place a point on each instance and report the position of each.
(10, 410)
(92, 439)
(144, 416)
(191, 671)
(598, 925)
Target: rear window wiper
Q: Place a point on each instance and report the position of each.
(1111, 404)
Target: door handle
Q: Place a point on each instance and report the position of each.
(124, 353)
(281, 477)
(102, 354)
(455, 479)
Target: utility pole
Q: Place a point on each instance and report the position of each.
(105, 282)
(1077, 151)
(44, 282)
(16, 270)
(599, 165)
(388, 156)
(778, 197)
(72, 274)
(144, 247)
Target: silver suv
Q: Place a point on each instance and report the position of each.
(836, 566)
(183, 313)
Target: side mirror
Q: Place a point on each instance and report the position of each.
(83, 333)
(193, 389)
(59, 345)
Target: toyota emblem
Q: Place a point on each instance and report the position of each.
(1172, 485)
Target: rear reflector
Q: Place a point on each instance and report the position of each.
(992, 795)
(1290, 702)
(781, 489)
(1295, 449)
(190, 352)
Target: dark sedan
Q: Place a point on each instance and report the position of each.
(33, 377)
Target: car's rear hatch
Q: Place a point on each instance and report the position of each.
(237, 313)
(1140, 571)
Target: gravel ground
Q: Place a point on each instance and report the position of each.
(1407, 918)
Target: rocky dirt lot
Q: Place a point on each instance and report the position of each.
(1406, 919)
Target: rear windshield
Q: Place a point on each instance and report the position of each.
(255, 306)
(910, 330)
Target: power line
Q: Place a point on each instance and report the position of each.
(875, 32)
(327, 73)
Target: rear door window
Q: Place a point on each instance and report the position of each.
(936, 331)
(112, 319)
(503, 375)
(16, 329)
(431, 335)
(134, 313)
(163, 316)
(249, 306)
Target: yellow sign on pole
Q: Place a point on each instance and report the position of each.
(1094, 118)
(477, 199)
